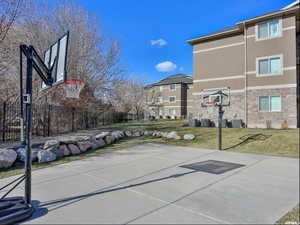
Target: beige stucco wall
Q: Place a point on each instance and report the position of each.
(225, 61)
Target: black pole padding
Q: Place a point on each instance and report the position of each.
(21, 97)
(28, 109)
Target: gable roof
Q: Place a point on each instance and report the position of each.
(174, 79)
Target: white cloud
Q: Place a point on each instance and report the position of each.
(166, 66)
(160, 42)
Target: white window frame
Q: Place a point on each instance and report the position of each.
(269, 96)
(161, 88)
(174, 88)
(268, 22)
(161, 100)
(172, 112)
(172, 97)
(269, 58)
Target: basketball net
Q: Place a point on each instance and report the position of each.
(73, 87)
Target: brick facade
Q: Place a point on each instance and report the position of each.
(234, 111)
(287, 116)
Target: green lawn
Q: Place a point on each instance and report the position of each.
(291, 218)
(284, 143)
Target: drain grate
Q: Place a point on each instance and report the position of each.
(213, 166)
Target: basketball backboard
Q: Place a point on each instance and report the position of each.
(56, 56)
(215, 96)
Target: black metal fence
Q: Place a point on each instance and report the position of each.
(51, 120)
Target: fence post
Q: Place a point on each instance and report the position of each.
(44, 120)
(87, 119)
(4, 121)
(73, 118)
(49, 120)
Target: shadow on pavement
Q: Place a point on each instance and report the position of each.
(59, 203)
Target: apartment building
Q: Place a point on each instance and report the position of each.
(258, 59)
(168, 97)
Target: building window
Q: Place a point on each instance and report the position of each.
(269, 29)
(268, 66)
(160, 88)
(172, 98)
(173, 86)
(159, 100)
(269, 103)
(172, 112)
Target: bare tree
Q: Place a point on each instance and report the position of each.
(153, 106)
(9, 10)
(129, 96)
(92, 57)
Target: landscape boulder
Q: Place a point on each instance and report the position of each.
(21, 154)
(57, 151)
(117, 134)
(7, 158)
(172, 134)
(51, 143)
(164, 134)
(67, 140)
(46, 156)
(136, 134)
(84, 146)
(102, 135)
(148, 132)
(128, 133)
(157, 133)
(65, 150)
(189, 137)
(177, 137)
(109, 139)
(73, 149)
(98, 143)
(81, 138)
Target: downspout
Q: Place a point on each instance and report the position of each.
(246, 82)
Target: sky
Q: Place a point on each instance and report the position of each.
(153, 33)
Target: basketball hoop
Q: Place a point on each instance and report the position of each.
(211, 103)
(73, 87)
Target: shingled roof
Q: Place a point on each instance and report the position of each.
(174, 79)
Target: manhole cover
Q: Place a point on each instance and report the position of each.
(213, 166)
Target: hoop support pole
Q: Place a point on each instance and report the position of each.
(221, 112)
(28, 109)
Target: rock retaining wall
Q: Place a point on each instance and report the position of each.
(55, 149)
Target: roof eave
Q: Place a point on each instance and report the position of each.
(215, 35)
(269, 16)
(240, 25)
(292, 4)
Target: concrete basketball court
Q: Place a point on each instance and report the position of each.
(146, 185)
